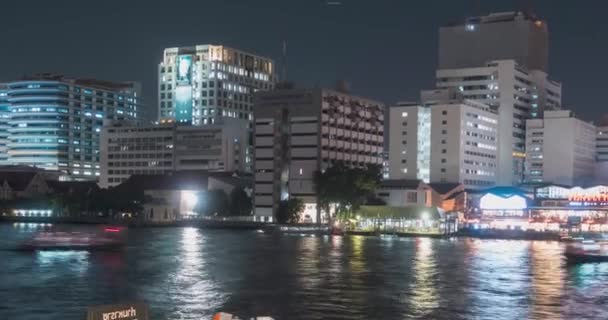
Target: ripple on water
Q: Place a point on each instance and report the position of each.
(190, 274)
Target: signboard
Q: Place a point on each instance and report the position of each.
(590, 197)
(493, 202)
(126, 311)
(183, 89)
(184, 70)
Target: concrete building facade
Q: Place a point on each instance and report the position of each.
(444, 141)
(200, 84)
(498, 36)
(164, 148)
(561, 149)
(517, 95)
(301, 131)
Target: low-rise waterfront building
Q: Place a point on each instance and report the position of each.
(164, 148)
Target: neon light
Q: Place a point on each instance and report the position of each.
(112, 229)
(494, 202)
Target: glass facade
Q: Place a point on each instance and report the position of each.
(54, 123)
(424, 144)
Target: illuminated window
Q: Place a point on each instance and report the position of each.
(403, 114)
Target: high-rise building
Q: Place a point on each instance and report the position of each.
(517, 94)
(560, 149)
(601, 155)
(5, 114)
(444, 140)
(200, 84)
(55, 122)
(301, 131)
(498, 36)
(165, 148)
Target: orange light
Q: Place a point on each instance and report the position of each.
(538, 23)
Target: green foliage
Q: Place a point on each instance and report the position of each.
(289, 210)
(240, 202)
(347, 187)
(114, 199)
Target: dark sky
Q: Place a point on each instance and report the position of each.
(386, 49)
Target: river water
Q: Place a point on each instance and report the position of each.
(187, 273)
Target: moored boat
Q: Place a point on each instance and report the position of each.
(587, 251)
(108, 239)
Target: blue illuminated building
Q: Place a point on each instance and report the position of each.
(54, 123)
(4, 117)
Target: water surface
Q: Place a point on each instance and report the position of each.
(187, 273)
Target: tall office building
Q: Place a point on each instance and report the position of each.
(165, 148)
(5, 114)
(55, 122)
(301, 131)
(444, 139)
(498, 36)
(601, 148)
(517, 94)
(560, 149)
(200, 84)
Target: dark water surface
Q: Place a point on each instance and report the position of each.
(186, 273)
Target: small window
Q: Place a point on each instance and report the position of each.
(443, 141)
(404, 133)
(444, 131)
(443, 160)
(403, 161)
(444, 122)
(404, 114)
(444, 151)
(442, 170)
(444, 112)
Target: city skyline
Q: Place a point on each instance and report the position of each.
(134, 40)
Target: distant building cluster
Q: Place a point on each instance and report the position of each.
(494, 118)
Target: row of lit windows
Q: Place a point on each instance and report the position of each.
(141, 164)
(140, 156)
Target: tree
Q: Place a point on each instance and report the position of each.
(347, 188)
(289, 210)
(240, 202)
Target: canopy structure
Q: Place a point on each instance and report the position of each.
(413, 212)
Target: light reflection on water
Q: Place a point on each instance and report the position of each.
(499, 276)
(424, 296)
(190, 274)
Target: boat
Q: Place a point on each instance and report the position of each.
(108, 239)
(587, 251)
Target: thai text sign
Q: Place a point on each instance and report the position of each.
(127, 311)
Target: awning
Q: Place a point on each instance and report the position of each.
(413, 212)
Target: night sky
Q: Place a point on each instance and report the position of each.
(386, 49)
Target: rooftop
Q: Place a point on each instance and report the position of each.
(95, 83)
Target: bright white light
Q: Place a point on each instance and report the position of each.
(190, 198)
(494, 202)
(425, 216)
(470, 27)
